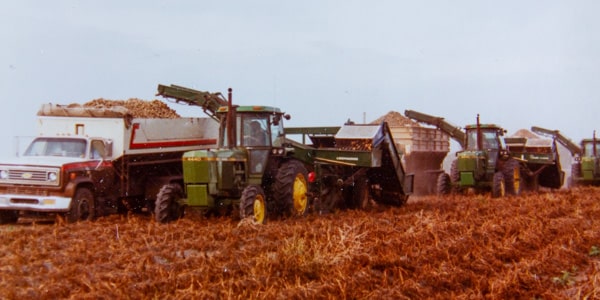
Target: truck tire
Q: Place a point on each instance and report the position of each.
(498, 185)
(512, 177)
(9, 216)
(82, 207)
(253, 204)
(168, 208)
(444, 186)
(290, 188)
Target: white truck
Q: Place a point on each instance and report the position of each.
(86, 162)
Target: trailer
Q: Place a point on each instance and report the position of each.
(86, 162)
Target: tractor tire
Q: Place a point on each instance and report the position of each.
(253, 204)
(82, 206)
(498, 185)
(512, 177)
(9, 216)
(575, 174)
(290, 188)
(454, 174)
(444, 186)
(167, 207)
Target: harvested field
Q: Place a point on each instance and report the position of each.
(543, 246)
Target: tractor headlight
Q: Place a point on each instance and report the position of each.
(52, 176)
(3, 174)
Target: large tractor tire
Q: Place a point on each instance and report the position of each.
(444, 186)
(9, 216)
(498, 185)
(82, 206)
(253, 204)
(168, 207)
(512, 177)
(290, 188)
(454, 174)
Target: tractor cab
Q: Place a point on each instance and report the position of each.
(590, 158)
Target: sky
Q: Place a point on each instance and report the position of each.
(516, 63)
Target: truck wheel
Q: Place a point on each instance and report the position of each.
(444, 185)
(253, 204)
(512, 177)
(167, 207)
(9, 216)
(498, 185)
(290, 188)
(82, 207)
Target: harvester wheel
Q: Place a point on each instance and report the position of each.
(498, 185)
(444, 185)
(360, 195)
(9, 216)
(512, 177)
(168, 208)
(290, 188)
(253, 204)
(82, 206)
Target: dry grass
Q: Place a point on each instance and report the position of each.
(543, 246)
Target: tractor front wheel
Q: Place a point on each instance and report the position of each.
(498, 185)
(168, 208)
(290, 188)
(253, 204)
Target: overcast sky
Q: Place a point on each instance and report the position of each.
(517, 63)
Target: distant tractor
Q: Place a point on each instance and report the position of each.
(486, 163)
(585, 169)
(249, 169)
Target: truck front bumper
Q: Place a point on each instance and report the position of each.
(34, 203)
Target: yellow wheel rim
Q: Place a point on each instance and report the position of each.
(502, 189)
(260, 210)
(299, 194)
(517, 180)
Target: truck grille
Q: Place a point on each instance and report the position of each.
(32, 176)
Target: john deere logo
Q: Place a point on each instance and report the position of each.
(27, 175)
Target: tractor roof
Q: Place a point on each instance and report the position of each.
(251, 108)
(483, 126)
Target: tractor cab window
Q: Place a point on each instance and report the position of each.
(255, 130)
(277, 132)
(588, 149)
(490, 139)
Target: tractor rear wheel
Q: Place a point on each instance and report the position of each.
(290, 188)
(82, 206)
(498, 185)
(168, 208)
(444, 186)
(253, 204)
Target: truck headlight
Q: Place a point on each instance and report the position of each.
(3, 174)
(52, 176)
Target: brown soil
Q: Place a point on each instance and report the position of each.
(137, 108)
(540, 246)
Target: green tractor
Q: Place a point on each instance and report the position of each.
(585, 169)
(483, 164)
(250, 171)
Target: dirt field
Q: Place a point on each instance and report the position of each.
(544, 246)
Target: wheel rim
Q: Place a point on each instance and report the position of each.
(517, 180)
(259, 209)
(299, 194)
(84, 209)
(502, 189)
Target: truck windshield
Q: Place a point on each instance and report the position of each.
(56, 147)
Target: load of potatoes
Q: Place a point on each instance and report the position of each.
(137, 108)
